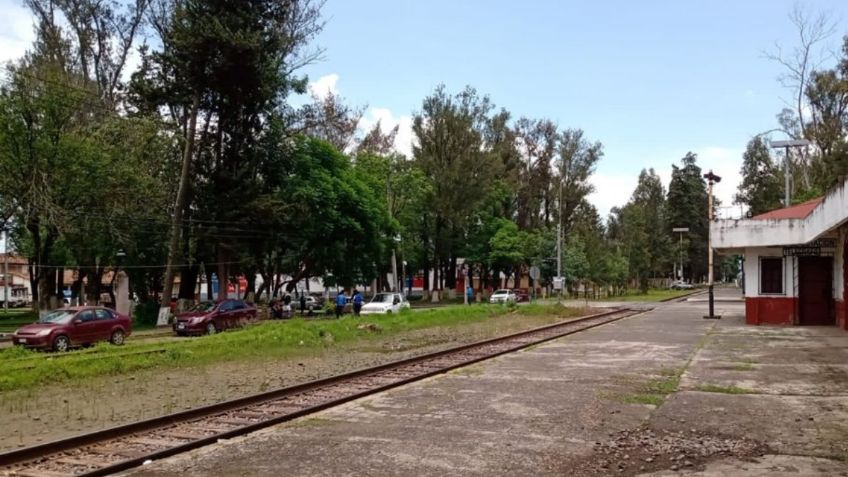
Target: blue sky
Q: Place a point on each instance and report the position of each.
(651, 80)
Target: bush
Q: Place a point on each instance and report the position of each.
(146, 313)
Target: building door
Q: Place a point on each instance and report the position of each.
(815, 291)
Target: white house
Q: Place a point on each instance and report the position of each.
(794, 261)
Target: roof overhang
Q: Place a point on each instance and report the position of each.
(825, 217)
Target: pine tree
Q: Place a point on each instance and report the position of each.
(761, 188)
(687, 207)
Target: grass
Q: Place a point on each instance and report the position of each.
(272, 339)
(13, 319)
(714, 388)
(655, 390)
(653, 295)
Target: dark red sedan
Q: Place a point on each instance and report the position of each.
(209, 317)
(62, 329)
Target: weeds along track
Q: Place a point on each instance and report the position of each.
(112, 450)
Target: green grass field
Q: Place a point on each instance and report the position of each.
(21, 368)
(13, 319)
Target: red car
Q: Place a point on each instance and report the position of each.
(209, 317)
(62, 329)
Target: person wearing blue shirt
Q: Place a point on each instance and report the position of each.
(357, 302)
(341, 301)
(469, 292)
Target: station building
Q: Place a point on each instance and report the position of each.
(794, 261)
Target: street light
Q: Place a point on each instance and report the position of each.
(711, 179)
(681, 231)
(786, 174)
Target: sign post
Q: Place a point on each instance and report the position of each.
(535, 273)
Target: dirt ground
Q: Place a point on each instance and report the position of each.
(48, 413)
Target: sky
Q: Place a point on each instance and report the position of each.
(650, 80)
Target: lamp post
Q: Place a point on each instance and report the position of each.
(786, 174)
(711, 179)
(681, 231)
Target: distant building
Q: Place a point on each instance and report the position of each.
(795, 261)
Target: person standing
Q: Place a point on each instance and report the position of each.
(303, 303)
(357, 302)
(469, 293)
(341, 301)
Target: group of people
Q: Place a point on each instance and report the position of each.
(342, 300)
(281, 309)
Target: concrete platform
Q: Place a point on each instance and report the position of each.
(662, 393)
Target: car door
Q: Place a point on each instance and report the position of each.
(223, 315)
(104, 322)
(238, 315)
(83, 328)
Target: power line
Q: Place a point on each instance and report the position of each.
(205, 264)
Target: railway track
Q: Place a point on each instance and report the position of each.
(119, 448)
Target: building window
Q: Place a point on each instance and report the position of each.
(771, 275)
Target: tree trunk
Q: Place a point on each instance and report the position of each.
(188, 282)
(176, 223)
(223, 276)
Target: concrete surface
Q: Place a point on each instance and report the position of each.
(590, 404)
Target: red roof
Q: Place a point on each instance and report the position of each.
(799, 211)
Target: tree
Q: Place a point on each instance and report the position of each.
(761, 188)
(687, 206)
(228, 66)
(577, 160)
(329, 118)
(451, 153)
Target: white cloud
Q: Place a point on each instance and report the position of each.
(324, 85)
(16, 31)
(611, 191)
(404, 138)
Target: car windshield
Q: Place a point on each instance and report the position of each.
(501, 292)
(383, 298)
(58, 316)
(203, 306)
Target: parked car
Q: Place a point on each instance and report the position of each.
(62, 329)
(312, 303)
(385, 303)
(521, 295)
(681, 285)
(503, 296)
(210, 317)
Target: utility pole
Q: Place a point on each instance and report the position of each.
(787, 175)
(681, 231)
(559, 254)
(5, 272)
(711, 179)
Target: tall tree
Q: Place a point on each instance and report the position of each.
(687, 206)
(450, 151)
(761, 188)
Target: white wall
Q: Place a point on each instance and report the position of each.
(752, 271)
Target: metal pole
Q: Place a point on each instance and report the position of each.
(786, 178)
(680, 256)
(710, 248)
(559, 255)
(5, 272)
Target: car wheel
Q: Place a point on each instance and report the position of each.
(117, 338)
(61, 344)
(210, 328)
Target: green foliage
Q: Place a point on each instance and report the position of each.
(762, 187)
(687, 207)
